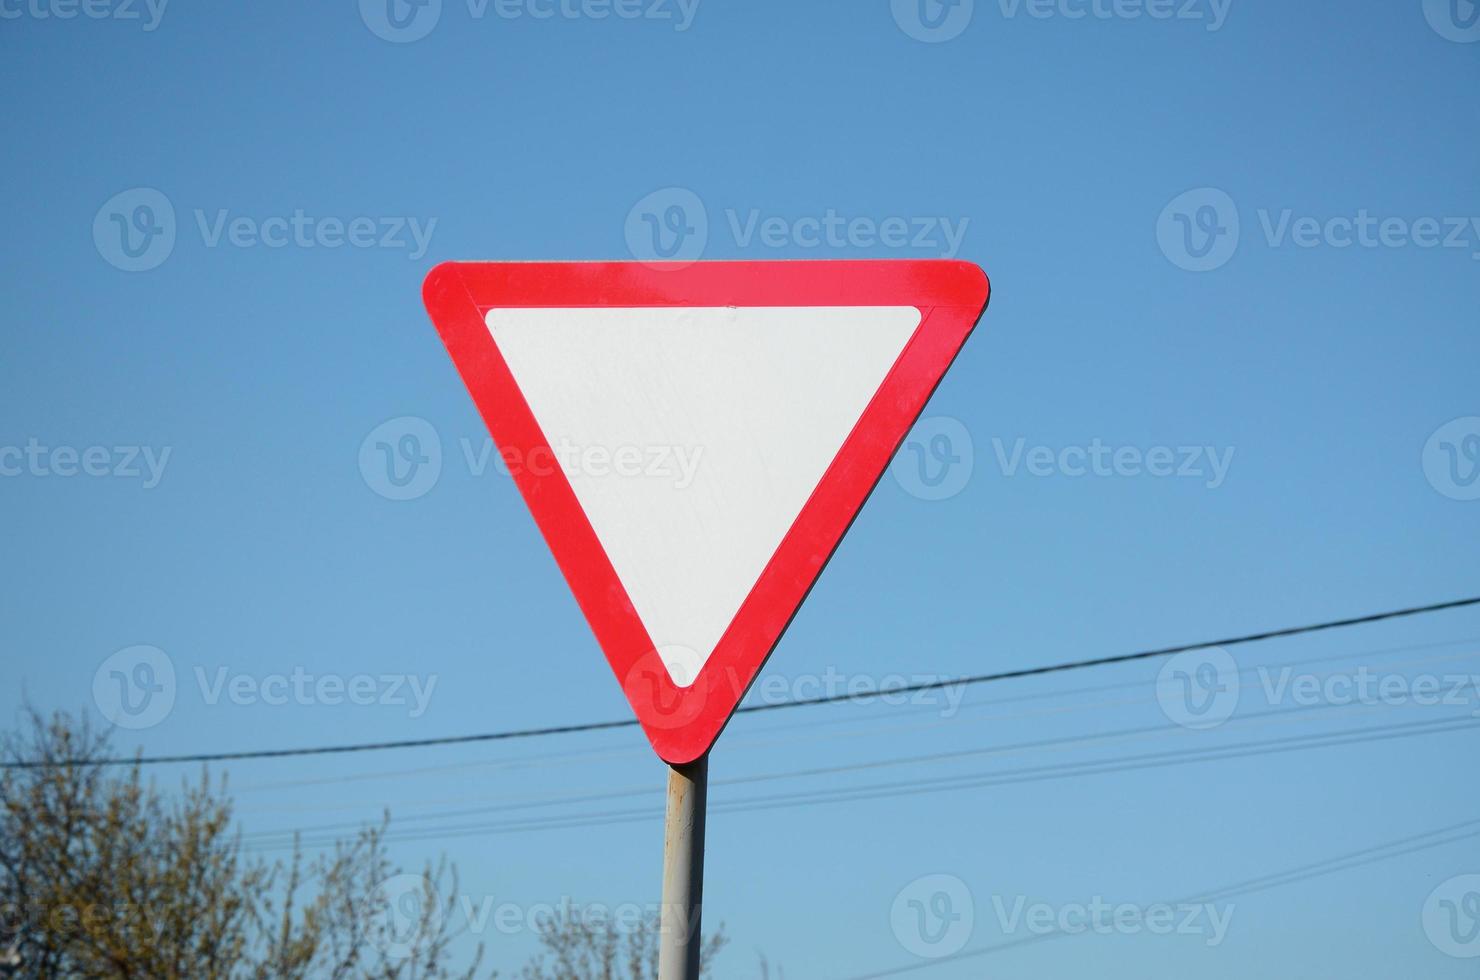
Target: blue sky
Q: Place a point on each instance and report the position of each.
(1249, 230)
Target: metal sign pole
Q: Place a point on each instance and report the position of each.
(680, 937)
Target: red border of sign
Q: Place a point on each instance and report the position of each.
(682, 723)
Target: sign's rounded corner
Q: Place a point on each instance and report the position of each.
(437, 278)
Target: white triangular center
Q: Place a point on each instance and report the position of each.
(693, 437)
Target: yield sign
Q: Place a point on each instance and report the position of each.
(695, 441)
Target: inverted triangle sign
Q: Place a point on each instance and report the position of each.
(695, 441)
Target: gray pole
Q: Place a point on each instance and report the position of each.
(683, 871)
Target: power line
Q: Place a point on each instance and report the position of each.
(1058, 743)
(760, 737)
(917, 787)
(580, 757)
(657, 790)
(1123, 658)
(527, 733)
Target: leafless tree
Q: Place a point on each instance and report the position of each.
(576, 948)
(103, 875)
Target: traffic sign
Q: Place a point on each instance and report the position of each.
(694, 441)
